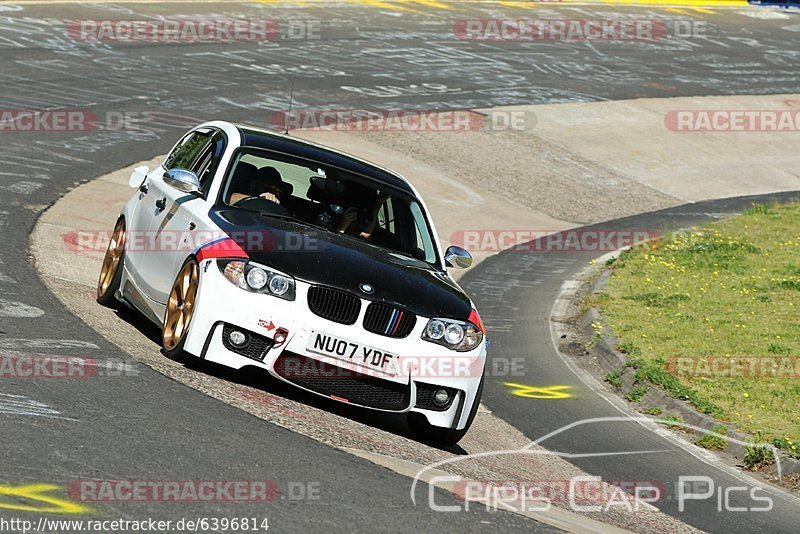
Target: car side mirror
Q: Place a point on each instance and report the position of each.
(183, 180)
(457, 257)
(137, 176)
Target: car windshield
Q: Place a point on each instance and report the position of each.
(327, 197)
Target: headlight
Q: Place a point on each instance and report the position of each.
(279, 284)
(454, 334)
(461, 336)
(257, 278)
(435, 329)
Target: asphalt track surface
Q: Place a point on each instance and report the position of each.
(149, 427)
(515, 292)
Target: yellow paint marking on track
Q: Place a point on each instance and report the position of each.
(387, 5)
(539, 392)
(517, 3)
(37, 494)
(703, 10)
(398, 5)
(295, 3)
(429, 3)
(677, 10)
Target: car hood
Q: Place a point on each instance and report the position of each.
(325, 258)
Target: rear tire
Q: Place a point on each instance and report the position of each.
(422, 430)
(111, 270)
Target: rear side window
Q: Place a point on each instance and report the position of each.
(386, 217)
(423, 243)
(208, 162)
(188, 154)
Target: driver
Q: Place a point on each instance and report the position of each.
(265, 183)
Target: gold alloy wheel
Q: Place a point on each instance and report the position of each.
(112, 259)
(180, 306)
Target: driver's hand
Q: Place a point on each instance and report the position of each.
(349, 216)
(270, 197)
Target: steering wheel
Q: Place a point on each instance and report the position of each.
(262, 204)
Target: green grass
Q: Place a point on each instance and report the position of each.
(712, 441)
(614, 379)
(636, 394)
(674, 419)
(730, 289)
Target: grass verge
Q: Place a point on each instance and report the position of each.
(712, 316)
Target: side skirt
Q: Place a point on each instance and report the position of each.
(134, 297)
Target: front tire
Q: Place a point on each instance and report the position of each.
(111, 270)
(180, 309)
(422, 430)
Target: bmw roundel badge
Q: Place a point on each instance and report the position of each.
(366, 288)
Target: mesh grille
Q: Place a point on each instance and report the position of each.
(425, 397)
(388, 321)
(334, 305)
(255, 348)
(343, 383)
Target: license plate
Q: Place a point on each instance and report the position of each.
(352, 352)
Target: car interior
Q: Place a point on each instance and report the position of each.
(322, 196)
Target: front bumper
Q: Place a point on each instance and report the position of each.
(425, 366)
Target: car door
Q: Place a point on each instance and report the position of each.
(190, 223)
(171, 211)
(139, 246)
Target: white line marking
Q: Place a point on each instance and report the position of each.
(19, 405)
(24, 187)
(15, 343)
(10, 308)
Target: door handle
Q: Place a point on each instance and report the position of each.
(192, 226)
(144, 188)
(161, 205)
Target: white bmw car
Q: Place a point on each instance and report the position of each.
(251, 248)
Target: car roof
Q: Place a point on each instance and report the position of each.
(285, 144)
